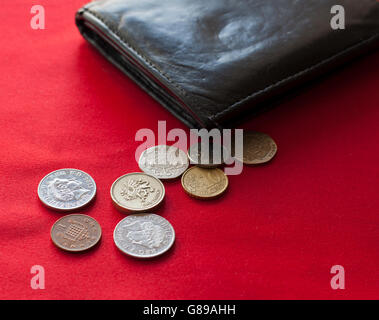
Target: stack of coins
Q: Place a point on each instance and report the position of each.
(143, 234)
(206, 181)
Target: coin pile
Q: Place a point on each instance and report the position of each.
(142, 234)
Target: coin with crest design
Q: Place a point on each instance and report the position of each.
(204, 183)
(66, 189)
(137, 192)
(75, 232)
(144, 235)
(257, 148)
(163, 162)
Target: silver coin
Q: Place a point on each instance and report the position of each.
(144, 235)
(66, 189)
(208, 156)
(163, 162)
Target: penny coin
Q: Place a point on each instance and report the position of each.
(137, 192)
(257, 148)
(204, 183)
(163, 162)
(144, 235)
(208, 155)
(75, 232)
(66, 189)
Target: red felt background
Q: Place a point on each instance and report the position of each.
(275, 234)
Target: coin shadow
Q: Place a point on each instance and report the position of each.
(171, 181)
(260, 165)
(159, 208)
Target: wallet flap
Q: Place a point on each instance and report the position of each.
(210, 61)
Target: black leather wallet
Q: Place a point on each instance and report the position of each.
(213, 62)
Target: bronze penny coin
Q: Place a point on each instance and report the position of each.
(137, 192)
(257, 148)
(204, 183)
(75, 232)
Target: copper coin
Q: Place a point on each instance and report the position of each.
(75, 232)
(257, 148)
(137, 192)
(204, 183)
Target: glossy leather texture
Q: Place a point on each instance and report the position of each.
(212, 62)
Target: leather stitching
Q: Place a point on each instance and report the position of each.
(242, 100)
(125, 42)
(291, 77)
(146, 60)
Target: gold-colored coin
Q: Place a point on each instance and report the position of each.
(137, 192)
(75, 232)
(257, 148)
(204, 183)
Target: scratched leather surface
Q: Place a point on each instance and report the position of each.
(215, 59)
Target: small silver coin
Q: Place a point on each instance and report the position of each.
(163, 162)
(144, 235)
(66, 189)
(208, 156)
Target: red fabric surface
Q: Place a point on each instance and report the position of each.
(275, 234)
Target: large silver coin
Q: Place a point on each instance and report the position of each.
(163, 162)
(144, 235)
(66, 189)
(208, 156)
